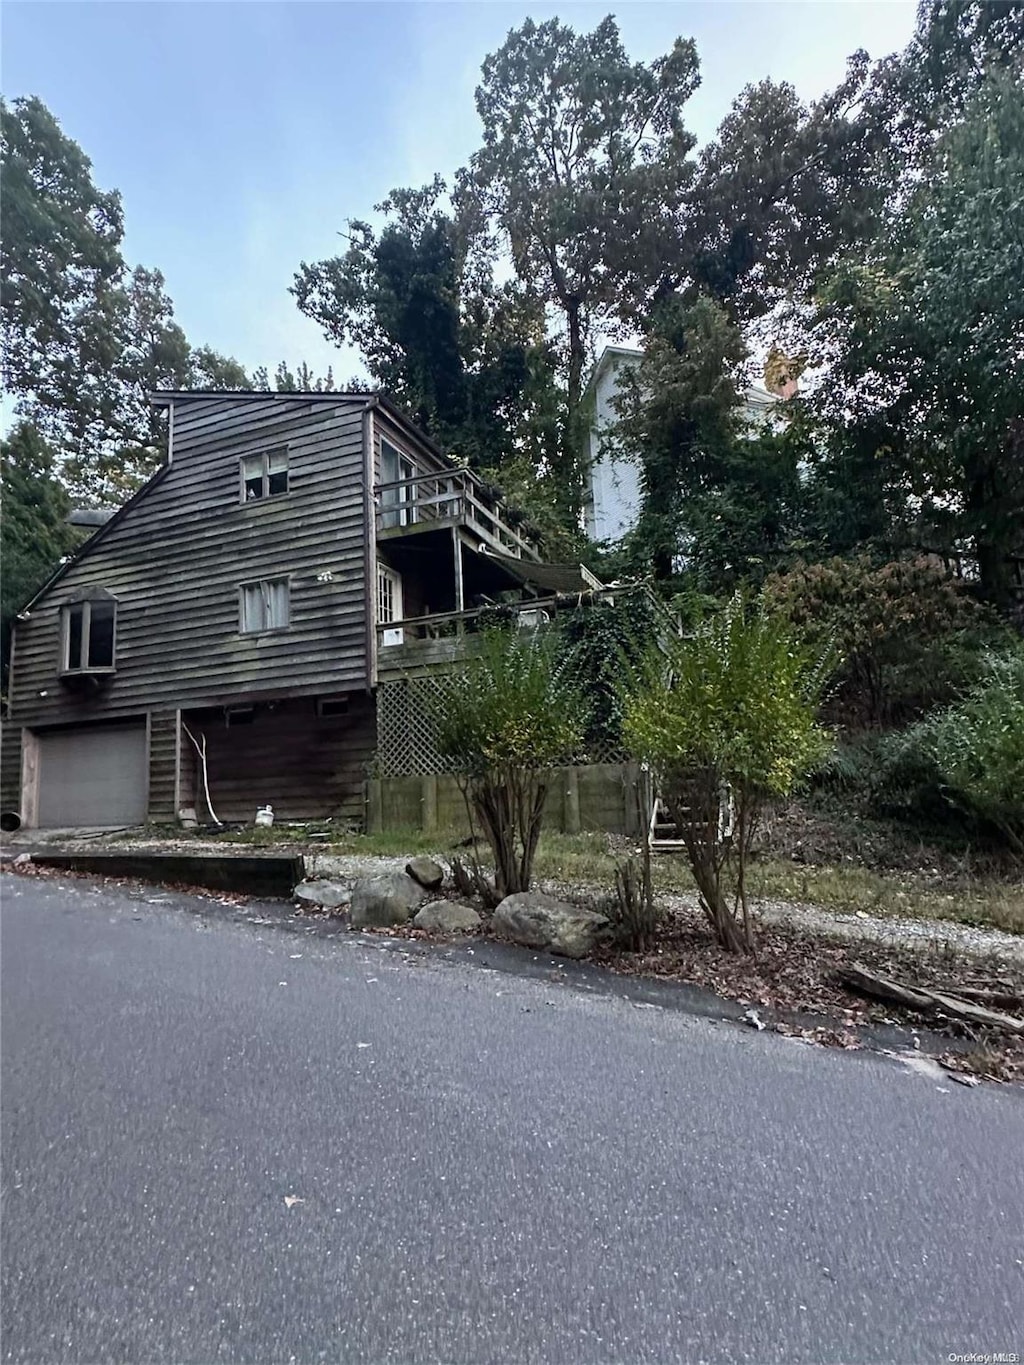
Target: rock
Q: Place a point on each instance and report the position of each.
(379, 902)
(23, 858)
(327, 895)
(426, 872)
(539, 921)
(447, 917)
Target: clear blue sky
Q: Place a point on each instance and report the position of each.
(243, 135)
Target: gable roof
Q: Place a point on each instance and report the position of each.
(78, 555)
(165, 397)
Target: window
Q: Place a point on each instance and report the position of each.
(265, 475)
(394, 466)
(264, 606)
(87, 635)
(389, 595)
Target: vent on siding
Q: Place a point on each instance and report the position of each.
(329, 707)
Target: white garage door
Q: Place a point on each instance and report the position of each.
(96, 775)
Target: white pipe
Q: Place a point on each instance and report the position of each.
(206, 781)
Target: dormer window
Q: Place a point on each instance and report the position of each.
(88, 625)
(265, 475)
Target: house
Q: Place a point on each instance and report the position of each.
(223, 641)
(612, 490)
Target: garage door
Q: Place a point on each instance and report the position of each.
(92, 776)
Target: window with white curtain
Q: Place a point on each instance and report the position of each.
(264, 606)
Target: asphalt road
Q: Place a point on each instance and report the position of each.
(486, 1168)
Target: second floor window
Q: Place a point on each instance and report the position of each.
(265, 475)
(87, 635)
(398, 502)
(264, 606)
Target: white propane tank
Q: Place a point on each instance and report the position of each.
(264, 817)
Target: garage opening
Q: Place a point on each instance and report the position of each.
(95, 775)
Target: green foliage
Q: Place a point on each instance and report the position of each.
(36, 535)
(978, 747)
(85, 338)
(730, 707)
(581, 148)
(511, 705)
(467, 357)
(679, 408)
(604, 641)
(931, 374)
(738, 695)
(510, 714)
(903, 630)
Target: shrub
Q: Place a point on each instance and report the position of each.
(509, 716)
(978, 747)
(728, 712)
(907, 631)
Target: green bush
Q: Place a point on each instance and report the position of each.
(908, 633)
(978, 747)
(508, 716)
(730, 708)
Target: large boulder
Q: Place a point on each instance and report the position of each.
(426, 872)
(447, 917)
(324, 895)
(380, 902)
(539, 921)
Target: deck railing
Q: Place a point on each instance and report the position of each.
(455, 495)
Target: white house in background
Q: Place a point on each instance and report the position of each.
(611, 492)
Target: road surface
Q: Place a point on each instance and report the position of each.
(227, 1142)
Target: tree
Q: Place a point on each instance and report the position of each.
(679, 409)
(580, 145)
(726, 715)
(509, 716)
(776, 195)
(301, 380)
(60, 272)
(36, 534)
(85, 338)
(930, 338)
(467, 357)
(894, 625)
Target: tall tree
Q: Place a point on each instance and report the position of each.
(579, 142)
(679, 409)
(36, 534)
(60, 272)
(466, 356)
(932, 335)
(85, 338)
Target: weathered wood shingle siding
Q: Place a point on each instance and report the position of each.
(164, 747)
(10, 767)
(175, 562)
(303, 765)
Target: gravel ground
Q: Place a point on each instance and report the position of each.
(932, 935)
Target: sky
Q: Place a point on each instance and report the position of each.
(242, 136)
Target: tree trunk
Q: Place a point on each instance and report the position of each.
(987, 511)
(575, 428)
